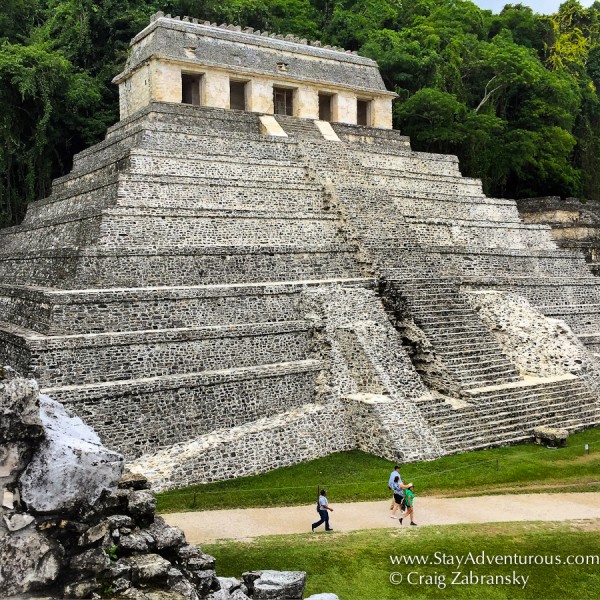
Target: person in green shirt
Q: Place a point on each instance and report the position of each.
(409, 499)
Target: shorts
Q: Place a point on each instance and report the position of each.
(398, 499)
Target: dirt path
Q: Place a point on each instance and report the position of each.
(208, 526)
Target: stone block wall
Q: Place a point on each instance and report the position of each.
(194, 290)
(575, 224)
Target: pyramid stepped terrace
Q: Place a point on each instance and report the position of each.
(254, 269)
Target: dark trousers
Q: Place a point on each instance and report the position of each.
(324, 514)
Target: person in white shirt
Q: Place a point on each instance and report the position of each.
(323, 509)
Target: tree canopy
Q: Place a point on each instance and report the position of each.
(514, 95)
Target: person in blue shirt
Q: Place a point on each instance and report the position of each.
(399, 491)
(323, 508)
(398, 496)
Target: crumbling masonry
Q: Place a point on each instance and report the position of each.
(220, 292)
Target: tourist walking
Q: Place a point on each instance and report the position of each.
(398, 496)
(409, 499)
(395, 473)
(392, 479)
(323, 508)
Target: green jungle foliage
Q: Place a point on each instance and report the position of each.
(514, 95)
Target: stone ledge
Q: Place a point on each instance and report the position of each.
(188, 380)
(85, 296)
(39, 342)
(76, 252)
(212, 213)
(530, 382)
(518, 225)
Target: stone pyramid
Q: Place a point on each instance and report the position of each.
(219, 294)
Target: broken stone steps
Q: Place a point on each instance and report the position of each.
(495, 429)
(484, 357)
(92, 358)
(445, 330)
(509, 440)
(485, 360)
(387, 138)
(470, 372)
(544, 401)
(173, 266)
(467, 382)
(451, 342)
(444, 317)
(541, 398)
(297, 127)
(541, 404)
(53, 311)
(486, 421)
(144, 414)
(502, 391)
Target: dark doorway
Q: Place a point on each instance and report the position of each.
(190, 89)
(325, 107)
(363, 113)
(237, 95)
(283, 101)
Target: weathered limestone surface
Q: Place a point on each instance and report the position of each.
(536, 344)
(98, 545)
(575, 224)
(70, 465)
(196, 290)
(550, 435)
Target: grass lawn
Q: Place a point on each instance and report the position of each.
(357, 565)
(356, 476)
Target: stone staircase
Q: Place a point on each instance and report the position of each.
(299, 128)
(429, 231)
(160, 291)
(506, 414)
(466, 347)
(156, 290)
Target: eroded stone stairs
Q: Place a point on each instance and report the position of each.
(506, 414)
(459, 339)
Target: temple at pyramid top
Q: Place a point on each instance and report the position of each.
(183, 61)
